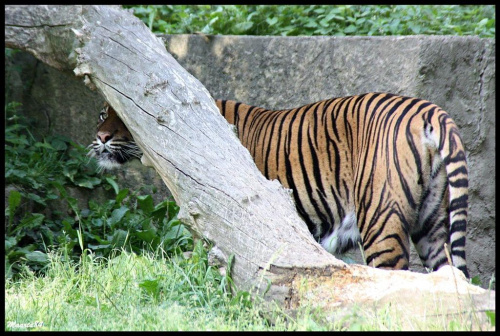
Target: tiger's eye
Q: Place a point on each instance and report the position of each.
(103, 116)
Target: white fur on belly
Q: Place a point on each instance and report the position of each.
(348, 231)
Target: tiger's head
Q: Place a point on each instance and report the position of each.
(113, 145)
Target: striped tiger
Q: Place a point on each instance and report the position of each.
(376, 168)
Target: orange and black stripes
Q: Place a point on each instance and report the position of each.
(395, 165)
(377, 168)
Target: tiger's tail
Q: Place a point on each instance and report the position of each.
(451, 151)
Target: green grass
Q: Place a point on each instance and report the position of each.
(134, 292)
(157, 291)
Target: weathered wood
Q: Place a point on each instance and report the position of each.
(223, 197)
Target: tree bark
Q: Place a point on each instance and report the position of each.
(222, 195)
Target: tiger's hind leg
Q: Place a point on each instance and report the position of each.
(384, 220)
(432, 228)
(386, 242)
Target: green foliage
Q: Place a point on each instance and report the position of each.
(475, 280)
(338, 20)
(38, 174)
(36, 164)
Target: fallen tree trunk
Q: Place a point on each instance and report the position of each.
(176, 123)
(223, 197)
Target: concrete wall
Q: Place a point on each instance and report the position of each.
(457, 73)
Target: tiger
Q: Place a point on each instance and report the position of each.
(374, 170)
(113, 145)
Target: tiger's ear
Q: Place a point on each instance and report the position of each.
(108, 108)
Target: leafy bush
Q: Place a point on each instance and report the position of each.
(38, 174)
(338, 20)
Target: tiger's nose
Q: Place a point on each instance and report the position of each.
(103, 136)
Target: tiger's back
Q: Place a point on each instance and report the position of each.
(376, 168)
(372, 168)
